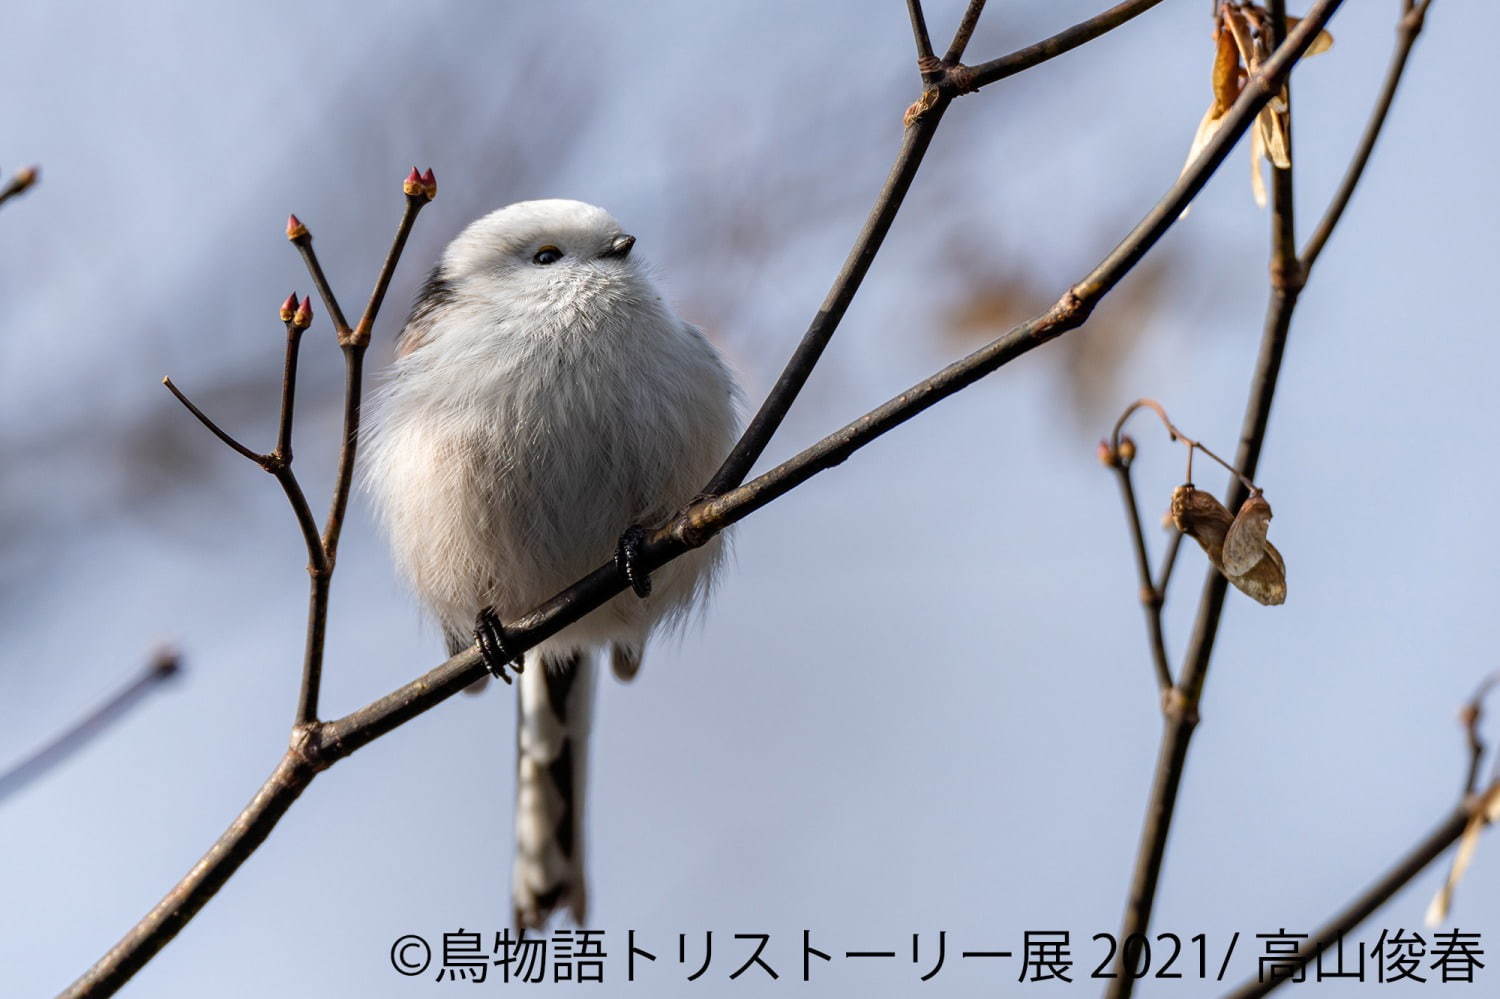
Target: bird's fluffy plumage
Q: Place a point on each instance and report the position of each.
(535, 412)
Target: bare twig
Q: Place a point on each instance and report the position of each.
(419, 190)
(965, 31)
(1470, 717)
(298, 233)
(279, 462)
(213, 427)
(1407, 31)
(926, 61)
(318, 745)
(1288, 276)
(294, 328)
(1471, 813)
(19, 183)
(1346, 920)
(164, 665)
(1168, 562)
(1067, 40)
(1178, 436)
(1151, 597)
(778, 401)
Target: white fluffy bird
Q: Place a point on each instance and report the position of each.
(544, 402)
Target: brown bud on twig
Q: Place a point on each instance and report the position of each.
(919, 107)
(295, 230)
(412, 185)
(24, 178)
(1203, 518)
(302, 319)
(1105, 454)
(429, 184)
(166, 662)
(1127, 450)
(289, 308)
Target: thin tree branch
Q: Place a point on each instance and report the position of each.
(418, 190)
(279, 462)
(1288, 275)
(965, 31)
(249, 829)
(277, 467)
(318, 745)
(1180, 707)
(301, 238)
(763, 426)
(1469, 815)
(1470, 716)
(213, 427)
(19, 183)
(1168, 561)
(747, 450)
(1150, 596)
(926, 61)
(1407, 31)
(1067, 40)
(294, 328)
(1346, 920)
(163, 666)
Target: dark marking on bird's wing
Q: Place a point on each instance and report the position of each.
(435, 295)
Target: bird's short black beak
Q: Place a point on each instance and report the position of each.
(619, 248)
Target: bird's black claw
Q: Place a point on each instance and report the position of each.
(627, 552)
(489, 635)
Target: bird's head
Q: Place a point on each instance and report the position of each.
(542, 257)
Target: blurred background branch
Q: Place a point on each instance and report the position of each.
(19, 182)
(163, 666)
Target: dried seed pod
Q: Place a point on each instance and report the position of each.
(1246, 542)
(1266, 582)
(1203, 518)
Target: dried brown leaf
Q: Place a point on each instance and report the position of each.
(1239, 27)
(1226, 73)
(1273, 137)
(1257, 175)
(1319, 45)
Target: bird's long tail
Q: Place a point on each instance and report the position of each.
(552, 727)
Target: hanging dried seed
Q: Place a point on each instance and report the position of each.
(1203, 518)
(1245, 544)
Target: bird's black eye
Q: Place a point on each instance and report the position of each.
(547, 255)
